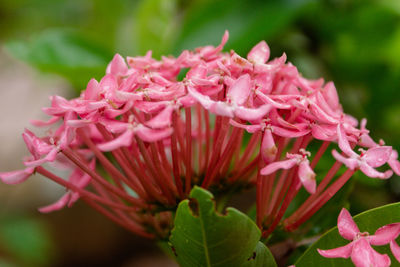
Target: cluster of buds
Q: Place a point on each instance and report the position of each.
(137, 141)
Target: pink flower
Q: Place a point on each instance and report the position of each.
(367, 161)
(359, 249)
(305, 173)
(141, 137)
(77, 178)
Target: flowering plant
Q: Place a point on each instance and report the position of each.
(145, 144)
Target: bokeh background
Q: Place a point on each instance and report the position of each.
(54, 47)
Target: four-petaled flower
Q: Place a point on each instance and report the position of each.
(359, 249)
(305, 172)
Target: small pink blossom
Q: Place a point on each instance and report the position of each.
(305, 172)
(360, 250)
(367, 161)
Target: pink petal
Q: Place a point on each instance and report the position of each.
(240, 90)
(92, 90)
(39, 123)
(124, 139)
(340, 252)
(252, 114)
(50, 157)
(122, 96)
(372, 173)
(321, 115)
(151, 107)
(331, 95)
(162, 120)
(346, 225)
(377, 156)
(78, 123)
(288, 133)
(16, 177)
(114, 126)
(61, 203)
(273, 103)
(112, 113)
(222, 109)
(395, 248)
(343, 142)
(117, 66)
(322, 133)
(199, 71)
(363, 255)
(394, 163)
(268, 147)
(273, 167)
(367, 141)
(108, 83)
(259, 53)
(349, 162)
(307, 176)
(385, 234)
(150, 135)
(247, 127)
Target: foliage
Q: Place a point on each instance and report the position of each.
(203, 237)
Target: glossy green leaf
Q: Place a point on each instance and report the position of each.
(261, 257)
(368, 221)
(63, 52)
(203, 237)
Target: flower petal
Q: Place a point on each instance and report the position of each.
(377, 156)
(307, 176)
(240, 90)
(117, 66)
(247, 127)
(150, 135)
(346, 225)
(372, 173)
(394, 163)
(343, 142)
(273, 167)
(395, 248)
(363, 255)
(268, 147)
(252, 114)
(385, 234)
(349, 162)
(124, 139)
(16, 177)
(162, 120)
(340, 252)
(61, 203)
(259, 53)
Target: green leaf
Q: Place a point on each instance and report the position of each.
(368, 221)
(261, 257)
(63, 52)
(202, 237)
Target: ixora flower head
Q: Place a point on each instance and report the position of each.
(137, 141)
(359, 249)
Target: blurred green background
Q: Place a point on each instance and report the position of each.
(355, 43)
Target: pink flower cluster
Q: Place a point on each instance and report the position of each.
(137, 141)
(359, 249)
